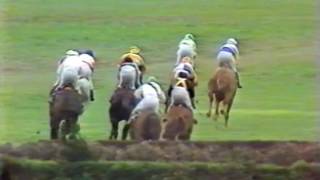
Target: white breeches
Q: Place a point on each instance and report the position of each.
(84, 89)
(180, 95)
(148, 103)
(185, 51)
(228, 58)
(86, 72)
(128, 76)
(68, 76)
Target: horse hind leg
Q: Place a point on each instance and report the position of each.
(114, 130)
(216, 115)
(226, 115)
(54, 127)
(210, 95)
(74, 128)
(125, 131)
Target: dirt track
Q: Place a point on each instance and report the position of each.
(279, 153)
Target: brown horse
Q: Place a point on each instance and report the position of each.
(222, 88)
(122, 103)
(64, 112)
(178, 123)
(146, 126)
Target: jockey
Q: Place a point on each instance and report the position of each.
(87, 65)
(150, 95)
(67, 73)
(228, 54)
(68, 59)
(88, 52)
(180, 95)
(68, 53)
(184, 70)
(187, 48)
(136, 57)
(189, 40)
(131, 70)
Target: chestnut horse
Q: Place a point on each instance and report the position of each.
(178, 123)
(146, 126)
(222, 88)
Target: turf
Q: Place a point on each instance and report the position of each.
(278, 71)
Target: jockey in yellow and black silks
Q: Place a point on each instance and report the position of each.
(134, 56)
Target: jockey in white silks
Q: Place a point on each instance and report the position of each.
(150, 95)
(228, 54)
(69, 53)
(187, 48)
(180, 94)
(129, 74)
(85, 83)
(68, 72)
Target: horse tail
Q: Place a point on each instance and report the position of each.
(180, 126)
(152, 127)
(220, 84)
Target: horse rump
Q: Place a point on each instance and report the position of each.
(146, 127)
(178, 123)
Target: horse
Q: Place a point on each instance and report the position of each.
(222, 88)
(146, 126)
(179, 123)
(64, 111)
(122, 103)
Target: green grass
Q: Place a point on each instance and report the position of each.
(277, 60)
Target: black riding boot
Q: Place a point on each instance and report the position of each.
(168, 98)
(91, 95)
(238, 80)
(192, 96)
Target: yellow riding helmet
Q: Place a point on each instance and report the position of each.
(134, 50)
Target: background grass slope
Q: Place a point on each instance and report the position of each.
(277, 60)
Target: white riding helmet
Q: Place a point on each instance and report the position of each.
(232, 41)
(72, 53)
(87, 59)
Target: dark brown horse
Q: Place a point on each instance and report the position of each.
(178, 123)
(64, 111)
(222, 88)
(122, 103)
(146, 126)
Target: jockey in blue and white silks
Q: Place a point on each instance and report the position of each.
(228, 54)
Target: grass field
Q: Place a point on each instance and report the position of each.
(278, 101)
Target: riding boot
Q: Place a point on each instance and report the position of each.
(238, 80)
(141, 79)
(193, 104)
(52, 94)
(91, 95)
